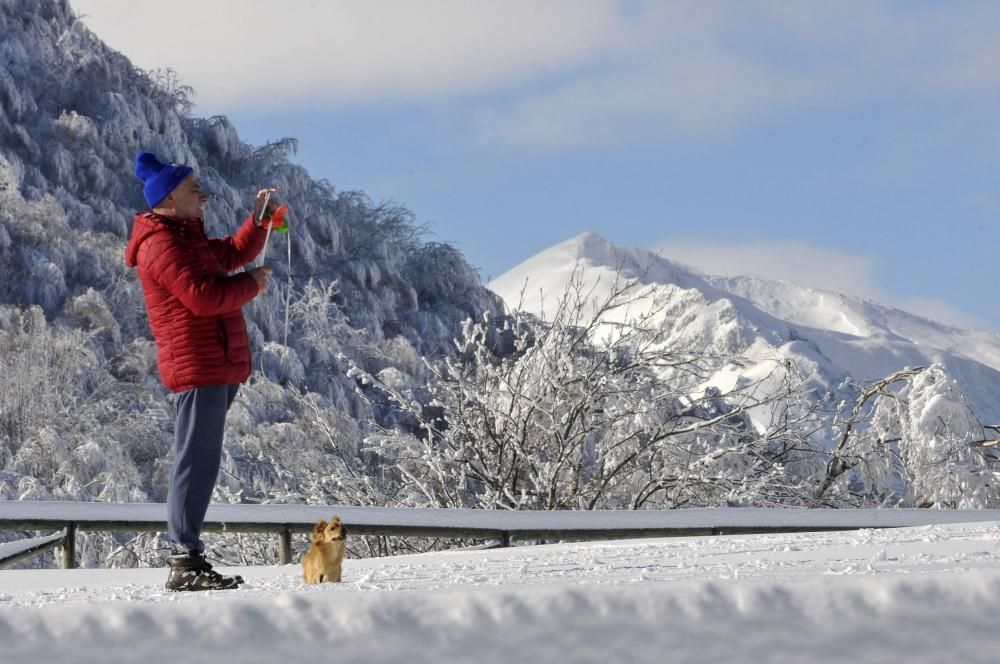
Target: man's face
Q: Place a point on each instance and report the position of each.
(187, 199)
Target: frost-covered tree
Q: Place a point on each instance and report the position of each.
(559, 414)
(911, 440)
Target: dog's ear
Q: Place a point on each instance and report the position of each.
(320, 527)
(335, 521)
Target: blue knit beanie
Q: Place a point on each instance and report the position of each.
(159, 179)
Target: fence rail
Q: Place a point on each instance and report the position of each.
(501, 525)
(11, 552)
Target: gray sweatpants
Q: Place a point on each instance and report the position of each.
(200, 425)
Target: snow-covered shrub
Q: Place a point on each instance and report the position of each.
(281, 365)
(535, 415)
(437, 273)
(913, 441)
(90, 313)
(76, 128)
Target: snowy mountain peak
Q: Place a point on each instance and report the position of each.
(592, 248)
(591, 245)
(588, 236)
(835, 335)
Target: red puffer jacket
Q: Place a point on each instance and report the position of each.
(194, 306)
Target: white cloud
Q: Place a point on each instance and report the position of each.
(564, 74)
(828, 269)
(806, 265)
(704, 70)
(940, 310)
(238, 52)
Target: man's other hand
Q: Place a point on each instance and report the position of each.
(260, 275)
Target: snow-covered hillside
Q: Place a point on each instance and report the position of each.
(830, 336)
(83, 414)
(927, 594)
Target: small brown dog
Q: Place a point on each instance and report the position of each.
(322, 564)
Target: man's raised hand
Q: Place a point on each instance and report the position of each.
(258, 205)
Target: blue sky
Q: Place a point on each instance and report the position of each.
(846, 145)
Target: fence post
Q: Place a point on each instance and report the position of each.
(69, 547)
(285, 546)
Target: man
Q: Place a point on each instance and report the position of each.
(203, 350)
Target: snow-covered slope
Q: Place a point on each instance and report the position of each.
(911, 595)
(831, 336)
(83, 412)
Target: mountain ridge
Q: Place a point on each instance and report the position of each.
(835, 336)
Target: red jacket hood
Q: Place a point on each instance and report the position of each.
(144, 226)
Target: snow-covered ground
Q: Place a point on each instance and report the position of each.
(926, 594)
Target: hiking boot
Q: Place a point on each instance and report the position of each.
(193, 572)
